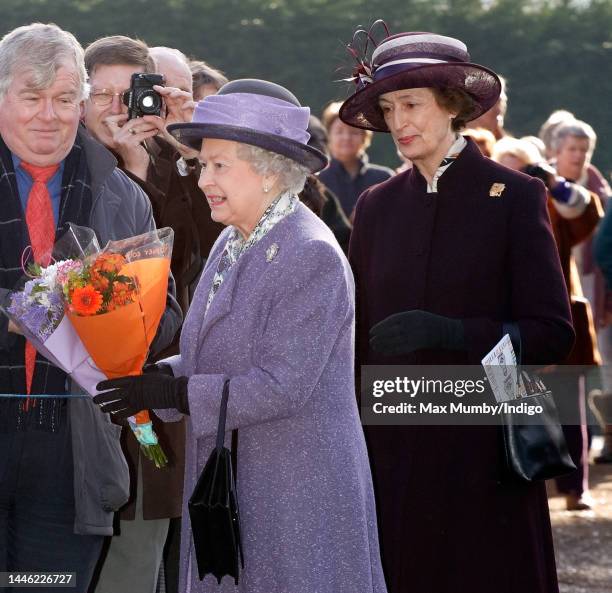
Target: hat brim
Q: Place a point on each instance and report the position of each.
(192, 134)
(361, 110)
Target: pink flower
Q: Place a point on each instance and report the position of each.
(67, 266)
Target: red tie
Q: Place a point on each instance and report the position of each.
(41, 228)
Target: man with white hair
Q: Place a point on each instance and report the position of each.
(174, 65)
(61, 467)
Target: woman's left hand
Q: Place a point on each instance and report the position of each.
(130, 395)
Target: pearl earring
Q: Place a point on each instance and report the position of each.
(266, 189)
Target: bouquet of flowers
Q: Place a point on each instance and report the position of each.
(38, 307)
(96, 313)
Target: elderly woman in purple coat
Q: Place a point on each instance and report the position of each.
(274, 314)
(444, 255)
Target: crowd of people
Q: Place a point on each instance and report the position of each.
(295, 262)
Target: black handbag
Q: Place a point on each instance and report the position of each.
(213, 510)
(537, 450)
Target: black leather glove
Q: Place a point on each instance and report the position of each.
(130, 395)
(408, 331)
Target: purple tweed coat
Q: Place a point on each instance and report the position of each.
(282, 329)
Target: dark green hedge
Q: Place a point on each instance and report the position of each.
(555, 54)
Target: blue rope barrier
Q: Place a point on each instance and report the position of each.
(45, 395)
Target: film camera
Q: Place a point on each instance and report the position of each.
(141, 99)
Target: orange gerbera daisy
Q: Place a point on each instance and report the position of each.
(85, 300)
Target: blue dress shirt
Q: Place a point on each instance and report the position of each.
(25, 183)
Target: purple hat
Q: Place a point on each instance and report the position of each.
(416, 60)
(253, 112)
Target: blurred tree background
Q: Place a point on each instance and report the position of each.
(554, 53)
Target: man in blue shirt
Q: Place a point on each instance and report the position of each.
(62, 473)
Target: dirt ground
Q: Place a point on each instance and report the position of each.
(583, 540)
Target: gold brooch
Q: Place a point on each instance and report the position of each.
(497, 189)
(271, 252)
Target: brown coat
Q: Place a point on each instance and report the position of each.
(178, 203)
(569, 232)
(163, 488)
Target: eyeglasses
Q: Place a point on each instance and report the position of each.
(104, 97)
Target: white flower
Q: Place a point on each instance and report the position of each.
(43, 299)
(48, 276)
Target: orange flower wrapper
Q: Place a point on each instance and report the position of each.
(115, 308)
(119, 341)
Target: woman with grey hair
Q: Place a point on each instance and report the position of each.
(574, 214)
(547, 129)
(573, 145)
(273, 317)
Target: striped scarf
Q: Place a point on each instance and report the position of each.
(451, 156)
(236, 245)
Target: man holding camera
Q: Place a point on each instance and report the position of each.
(125, 111)
(124, 81)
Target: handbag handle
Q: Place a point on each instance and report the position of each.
(222, 416)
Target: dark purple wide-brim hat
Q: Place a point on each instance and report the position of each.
(255, 112)
(417, 60)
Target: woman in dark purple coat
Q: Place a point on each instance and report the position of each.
(443, 255)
